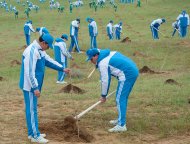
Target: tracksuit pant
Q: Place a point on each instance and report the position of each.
(183, 31)
(61, 74)
(31, 113)
(154, 32)
(93, 43)
(74, 42)
(123, 90)
(27, 39)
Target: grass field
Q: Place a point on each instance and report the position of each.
(158, 113)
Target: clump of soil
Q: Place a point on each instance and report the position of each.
(171, 81)
(146, 69)
(67, 130)
(127, 39)
(1, 78)
(15, 62)
(71, 88)
(137, 53)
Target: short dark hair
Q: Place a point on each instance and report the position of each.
(41, 39)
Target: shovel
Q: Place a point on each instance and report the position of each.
(161, 33)
(91, 107)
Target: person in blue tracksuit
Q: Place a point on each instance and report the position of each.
(154, 26)
(93, 31)
(74, 28)
(109, 29)
(42, 30)
(34, 60)
(118, 30)
(61, 54)
(113, 63)
(175, 26)
(183, 23)
(27, 30)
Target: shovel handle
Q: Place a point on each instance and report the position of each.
(91, 73)
(91, 107)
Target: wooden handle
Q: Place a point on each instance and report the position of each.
(91, 107)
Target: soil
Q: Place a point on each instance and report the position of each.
(171, 81)
(67, 130)
(1, 78)
(146, 69)
(126, 40)
(137, 53)
(15, 62)
(71, 88)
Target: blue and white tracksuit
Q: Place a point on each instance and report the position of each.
(27, 30)
(175, 26)
(109, 30)
(34, 60)
(118, 31)
(112, 63)
(74, 28)
(61, 54)
(43, 30)
(154, 26)
(93, 32)
(183, 23)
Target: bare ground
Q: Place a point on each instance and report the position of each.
(51, 116)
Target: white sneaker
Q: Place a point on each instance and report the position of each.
(118, 128)
(113, 122)
(42, 135)
(80, 52)
(39, 139)
(61, 82)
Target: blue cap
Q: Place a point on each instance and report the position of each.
(89, 19)
(120, 23)
(48, 39)
(183, 12)
(38, 29)
(91, 52)
(30, 21)
(111, 21)
(163, 20)
(64, 36)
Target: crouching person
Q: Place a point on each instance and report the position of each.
(113, 63)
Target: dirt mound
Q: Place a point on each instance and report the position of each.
(171, 81)
(1, 78)
(67, 130)
(146, 69)
(15, 62)
(137, 53)
(127, 39)
(71, 88)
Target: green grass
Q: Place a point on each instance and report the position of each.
(155, 108)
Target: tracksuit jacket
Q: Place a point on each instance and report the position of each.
(112, 63)
(61, 54)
